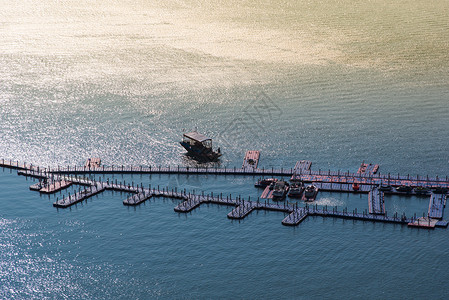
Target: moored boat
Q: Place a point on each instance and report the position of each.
(200, 146)
(385, 187)
(310, 193)
(421, 190)
(280, 189)
(295, 191)
(439, 190)
(404, 189)
(263, 183)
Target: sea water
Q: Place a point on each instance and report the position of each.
(334, 82)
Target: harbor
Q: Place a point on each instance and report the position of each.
(367, 180)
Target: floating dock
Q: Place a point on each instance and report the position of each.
(301, 166)
(54, 186)
(242, 210)
(436, 206)
(368, 169)
(251, 159)
(367, 180)
(79, 196)
(138, 198)
(342, 187)
(92, 163)
(295, 217)
(425, 222)
(267, 193)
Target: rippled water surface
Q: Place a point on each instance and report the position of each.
(334, 82)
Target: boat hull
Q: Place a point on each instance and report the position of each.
(201, 153)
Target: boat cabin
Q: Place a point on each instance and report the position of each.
(196, 139)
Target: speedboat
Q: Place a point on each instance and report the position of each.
(385, 188)
(280, 189)
(310, 193)
(440, 190)
(295, 191)
(421, 190)
(404, 189)
(263, 183)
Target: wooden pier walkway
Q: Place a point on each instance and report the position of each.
(242, 210)
(54, 186)
(376, 202)
(342, 187)
(295, 217)
(138, 198)
(301, 173)
(327, 180)
(79, 196)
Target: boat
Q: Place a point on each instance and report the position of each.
(421, 190)
(404, 189)
(280, 189)
(384, 188)
(310, 193)
(440, 190)
(295, 191)
(263, 183)
(200, 146)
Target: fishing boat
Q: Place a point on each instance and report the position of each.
(440, 190)
(385, 188)
(404, 189)
(421, 190)
(310, 193)
(263, 183)
(295, 190)
(200, 146)
(280, 189)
